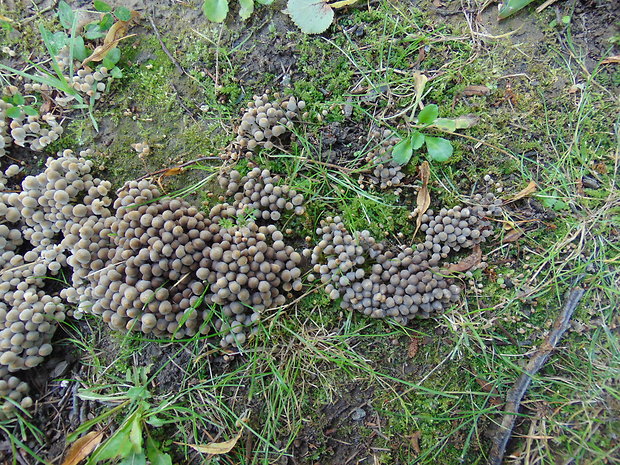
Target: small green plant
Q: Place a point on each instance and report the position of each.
(314, 16)
(98, 29)
(127, 443)
(438, 148)
(216, 10)
(19, 106)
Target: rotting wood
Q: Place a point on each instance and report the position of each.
(537, 361)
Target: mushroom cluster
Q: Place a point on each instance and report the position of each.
(37, 240)
(386, 172)
(268, 120)
(35, 131)
(405, 283)
(160, 266)
(88, 82)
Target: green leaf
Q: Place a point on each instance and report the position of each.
(116, 73)
(65, 14)
(135, 434)
(111, 58)
(246, 8)
(135, 458)
(215, 10)
(311, 16)
(117, 446)
(428, 115)
(156, 456)
(439, 149)
(18, 99)
(93, 31)
(265, 2)
(510, 7)
(402, 152)
(447, 124)
(106, 22)
(417, 140)
(122, 13)
(80, 52)
(14, 112)
(102, 6)
(30, 111)
(155, 421)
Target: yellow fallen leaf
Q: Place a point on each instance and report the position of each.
(424, 197)
(83, 447)
(529, 189)
(4, 18)
(215, 448)
(342, 3)
(420, 81)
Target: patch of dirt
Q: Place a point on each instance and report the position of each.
(343, 431)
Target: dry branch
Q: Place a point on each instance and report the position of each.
(538, 360)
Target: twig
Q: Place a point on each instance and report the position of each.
(164, 48)
(182, 165)
(537, 361)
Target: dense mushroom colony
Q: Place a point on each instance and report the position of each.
(268, 121)
(155, 264)
(36, 242)
(401, 284)
(149, 263)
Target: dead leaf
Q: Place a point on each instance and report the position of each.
(466, 121)
(484, 385)
(468, 262)
(424, 197)
(4, 18)
(420, 83)
(215, 448)
(172, 171)
(470, 91)
(414, 346)
(613, 59)
(414, 440)
(512, 235)
(114, 35)
(83, 447)
(529, 189)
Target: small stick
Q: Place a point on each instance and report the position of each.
(537, 361)
(182, 165)
(164, 48)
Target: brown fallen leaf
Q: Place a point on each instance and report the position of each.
(115, 34)
(83, 447)
(215, 448)
(470, 91)
(529, 189)
(512, 235)
(413, 348)
(414, 440)
(468, 262)
(424, 197)
(613, 59)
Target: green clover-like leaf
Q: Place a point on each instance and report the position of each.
(439, 149)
